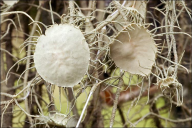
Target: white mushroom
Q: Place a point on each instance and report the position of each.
(62, 55)
(134, 50)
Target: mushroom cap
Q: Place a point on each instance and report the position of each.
(62, 55)
(134, 50)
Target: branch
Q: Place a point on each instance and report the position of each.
(28, 61)
(121, 83)
(167, 119)
(72, 10)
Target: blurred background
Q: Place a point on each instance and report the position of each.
(139, 105)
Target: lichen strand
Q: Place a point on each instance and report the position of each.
(62, 55)
(136, 51)
(170, 87)
(132, 16)
(10, 2)
(140, 6)
(169, 82)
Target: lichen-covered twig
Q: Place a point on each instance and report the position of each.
(120, 84)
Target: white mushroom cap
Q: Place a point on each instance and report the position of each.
(137, 51)
(62, 55)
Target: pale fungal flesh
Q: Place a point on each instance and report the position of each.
(62, 55)
(134, 50)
